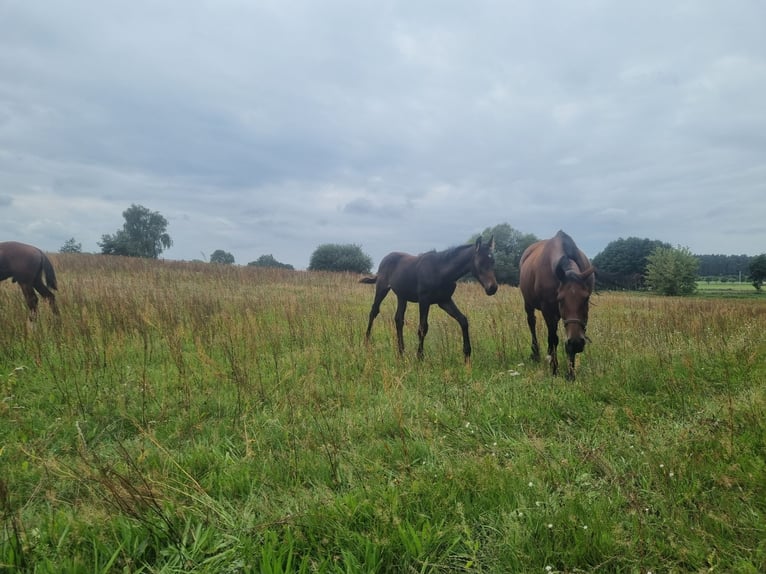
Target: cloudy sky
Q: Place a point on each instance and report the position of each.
(274, 126)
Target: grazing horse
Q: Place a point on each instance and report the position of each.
(428, 279)
(558, 279)
(25, 265)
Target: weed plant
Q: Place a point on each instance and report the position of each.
(188, 417)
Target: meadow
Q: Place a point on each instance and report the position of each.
(191, 417)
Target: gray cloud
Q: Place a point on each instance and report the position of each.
(274, 127)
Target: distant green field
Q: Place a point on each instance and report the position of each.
(206, 418)
(729, 286)
(729, 290)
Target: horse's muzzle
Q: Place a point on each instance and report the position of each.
(491, 289)
(575, 345)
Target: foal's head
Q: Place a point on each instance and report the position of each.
(483, 265)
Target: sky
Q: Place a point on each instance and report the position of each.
(275, 126)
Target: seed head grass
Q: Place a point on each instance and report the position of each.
(196, 417)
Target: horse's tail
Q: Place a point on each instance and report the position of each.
(50, 274)
(372, 279)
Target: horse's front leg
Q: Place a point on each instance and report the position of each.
(425, 306)
(401, 307)
(552, 323)
(532, 323)
(570, 366)
(455, 313)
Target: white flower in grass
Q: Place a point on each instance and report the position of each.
(550, 526)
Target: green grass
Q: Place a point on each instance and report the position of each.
(203, 418)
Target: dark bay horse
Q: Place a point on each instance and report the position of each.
(428, 279)
(558, 279)
(26, 265)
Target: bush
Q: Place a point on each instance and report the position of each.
(334, 257)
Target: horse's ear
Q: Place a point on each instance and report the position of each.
(492, 244)
(477, 245)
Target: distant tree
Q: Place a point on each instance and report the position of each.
(221, 256)
(334, 257)
(269, 261)
(758, 270)
(720, 265)
(71, 246)
(509, 245)
(672, 271)
(142, 235)
(627, 256)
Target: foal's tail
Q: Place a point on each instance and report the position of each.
(50, 274)
(372, 279)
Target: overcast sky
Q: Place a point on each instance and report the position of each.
(271, 127)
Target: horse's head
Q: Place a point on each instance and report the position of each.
(483, 265)
(573, 300)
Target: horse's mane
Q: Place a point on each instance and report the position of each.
(448, 253)
(571, 250)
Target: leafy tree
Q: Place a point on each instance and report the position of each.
(71, 246)
(758, 270)
(509, 245)
(627, 256)
(672, 271)
(334, 257)
(269, 261)
(142, 235)
(221, 256)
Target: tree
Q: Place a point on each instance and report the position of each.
(71, 246)
(758, 270)
(269, 261)
(334, 257)
(142, 235)
(627, 256)
(509, 246)
(672, 271)
(221, 256)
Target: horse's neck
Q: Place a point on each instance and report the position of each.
(459, 265)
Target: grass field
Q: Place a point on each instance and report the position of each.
(202, 418)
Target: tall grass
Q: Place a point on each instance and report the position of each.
(206, 418)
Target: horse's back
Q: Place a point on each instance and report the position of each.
(528, 270)
(20, 261)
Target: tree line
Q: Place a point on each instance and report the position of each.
(631, 263)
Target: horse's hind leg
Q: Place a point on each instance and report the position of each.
(380, 294)
(47, 294)
(31, 298)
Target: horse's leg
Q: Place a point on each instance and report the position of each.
(423, 326)
(570, 366)
(46, 293)
(401, 307)
(31, 299)
(532, 322)
(380, 293)
(455, 313)
(552, 321)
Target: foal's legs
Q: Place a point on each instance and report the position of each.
(401, 307)
(422, 326)
(380, 293)
(455, 313)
